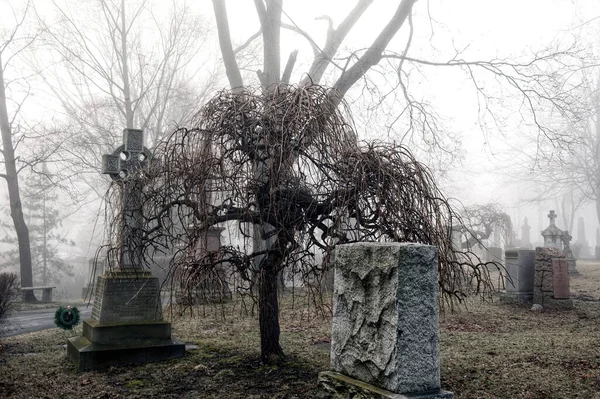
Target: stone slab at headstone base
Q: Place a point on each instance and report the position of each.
(334, 385)
(126, 325)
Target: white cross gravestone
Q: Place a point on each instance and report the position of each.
(126, 326)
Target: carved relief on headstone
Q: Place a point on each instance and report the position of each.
(385, 335)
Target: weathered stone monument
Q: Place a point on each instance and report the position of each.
(551, 279)
(569, 254)
(552, 234)
(385, 335)
(127, 325)
(525, 238)
(520, 267)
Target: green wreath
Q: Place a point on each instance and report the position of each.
(66, 317)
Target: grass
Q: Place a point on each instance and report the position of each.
(492, 350)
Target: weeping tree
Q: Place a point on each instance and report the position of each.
(480, 221)
(287, 162)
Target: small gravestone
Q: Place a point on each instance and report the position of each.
(520, 267)
(560, 278)
(127, 325)
(385, 335)
(569, 254)
(544, 280)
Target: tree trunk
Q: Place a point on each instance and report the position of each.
(268, 308)
(125, 66)
(14, 196)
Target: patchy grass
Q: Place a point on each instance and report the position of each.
(491, 351)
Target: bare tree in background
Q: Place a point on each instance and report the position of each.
(108, 74)
(13, 42)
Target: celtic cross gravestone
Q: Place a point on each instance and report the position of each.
(127, 325)
(124, 165)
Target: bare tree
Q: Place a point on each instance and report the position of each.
(114, 74)
(13, 44)
(286, 160)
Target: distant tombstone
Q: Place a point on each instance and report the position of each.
(457, 238)
(569, 253)
(525, 239)
(552, 234)
(385, 327)
(520, 267)
(545, 282)
(494, 254)
(97, 266)
(581, 248)
(214, 288)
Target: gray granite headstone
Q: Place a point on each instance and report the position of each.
(520, 266)
(385, 320)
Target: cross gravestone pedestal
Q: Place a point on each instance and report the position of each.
(126, 326)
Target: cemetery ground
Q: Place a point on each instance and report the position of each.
(493, 350)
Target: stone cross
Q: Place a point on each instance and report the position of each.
(552, 215)
(123, 166)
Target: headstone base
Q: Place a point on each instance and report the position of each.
(522, 298)
(549, 302)
(334, 385)
(118, 344)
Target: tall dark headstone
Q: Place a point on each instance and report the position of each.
(127, 325)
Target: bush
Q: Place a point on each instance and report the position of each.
(8, 293)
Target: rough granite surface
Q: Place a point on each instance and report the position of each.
(385, 316)
(543, 281)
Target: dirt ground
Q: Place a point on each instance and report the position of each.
(492, 350)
